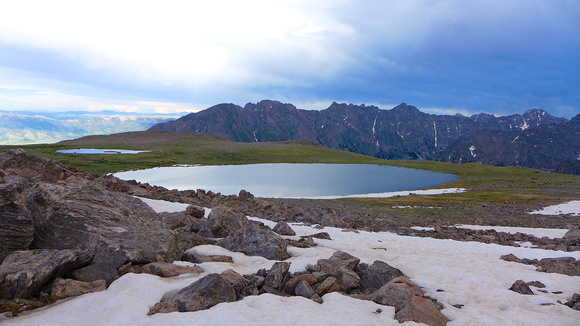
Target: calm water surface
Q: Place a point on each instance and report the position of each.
(291, 180)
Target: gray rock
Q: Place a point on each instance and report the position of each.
(180, 219)
(222, 222)
(397, 295)
(94, 272)
(238, 282)
(562, 265)
(346, 278)
(88, 217)
(290, 286)
(421, 310)
(521, 287)
(245, 195)
(347, 260)
(23, 273)
(64, 288)
(257, 242)
(16, 224)
(203, 294)
(195, 211)
(282, 228)
(277, 276)
(327, 286)
(304, 289)
(376, 275)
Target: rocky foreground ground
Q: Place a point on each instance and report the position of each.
(64, 233)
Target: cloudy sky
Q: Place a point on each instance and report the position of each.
(500, 57)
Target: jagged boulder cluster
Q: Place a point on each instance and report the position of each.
(561, 265)
(61, 228)
(342, 273)
(569, 242)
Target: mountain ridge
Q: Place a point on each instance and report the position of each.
(403, 132)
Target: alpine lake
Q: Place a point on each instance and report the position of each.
(287, 180)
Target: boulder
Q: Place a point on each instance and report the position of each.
(393, 294)
(282, 228)
(421, 310)
(245, 195)
(16, 223)
(304, 289)
(277, 276)
(91, 218)
(329, 285)
(23, 273)
(201, 294)
(376, 275)
(237, 281)
(562, 265)
(291, 283)
(521, 287)
(31, 167)
(574, 302)
(222, 222)
(64, 288)
(195, 211)
(95, 272)
(346, 278)
(164, 269)
(346, 260)
(257, 242)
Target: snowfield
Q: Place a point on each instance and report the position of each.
(455, 273)
(571, 207)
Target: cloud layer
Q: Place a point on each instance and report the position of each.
(493, 56)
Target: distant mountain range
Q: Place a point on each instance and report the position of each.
(535, 139)
(19, 128)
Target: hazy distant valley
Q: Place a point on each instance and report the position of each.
(18, 128)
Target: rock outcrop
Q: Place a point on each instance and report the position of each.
(23, 273)
(66, 232)
(340, 273)
(257, 242)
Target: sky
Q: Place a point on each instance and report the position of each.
(445, 57)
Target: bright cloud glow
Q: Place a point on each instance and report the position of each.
(509, 56)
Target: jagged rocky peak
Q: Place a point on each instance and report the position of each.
(269, 104)
(537, 117)
(482, 117)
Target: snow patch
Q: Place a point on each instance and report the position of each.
(452, 272)
(391, 194)
(471, 149)
(571, 207)
(435, 130)
(160, 206)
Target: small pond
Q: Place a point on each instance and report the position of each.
(291, 180)
(98, 151)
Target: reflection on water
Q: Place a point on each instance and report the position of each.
(291, 180)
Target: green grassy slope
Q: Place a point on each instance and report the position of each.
(486, 184)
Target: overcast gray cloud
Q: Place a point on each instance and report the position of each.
(493, 56)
